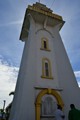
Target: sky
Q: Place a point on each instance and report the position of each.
(11, 48)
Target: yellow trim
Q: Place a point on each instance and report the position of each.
(43, 69)
(49, 91)
(45, 49)
(45, 77)
(45, 12)
(39, 97)
(42, 44)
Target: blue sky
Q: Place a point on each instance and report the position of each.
(11, 48)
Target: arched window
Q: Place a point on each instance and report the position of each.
(44, 44)
(46, 68)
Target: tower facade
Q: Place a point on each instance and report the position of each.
(45, 77)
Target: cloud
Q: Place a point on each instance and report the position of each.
(77, 74)
(8, 77)
(79, 83)
(12, 23)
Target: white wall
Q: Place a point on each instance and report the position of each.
(31, 70)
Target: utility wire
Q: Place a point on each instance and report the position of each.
(52, 3)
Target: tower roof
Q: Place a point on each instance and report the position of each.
(39, 12)
(40, 8)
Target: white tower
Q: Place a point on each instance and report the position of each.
(45, 77)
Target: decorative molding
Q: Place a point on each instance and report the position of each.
(39, 97)
(45, 22)
(44, 30)
(42, 88)
(44, 11)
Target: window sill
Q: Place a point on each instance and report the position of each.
(45, 49)
(46, 77)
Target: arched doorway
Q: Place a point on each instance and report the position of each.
(39, 97)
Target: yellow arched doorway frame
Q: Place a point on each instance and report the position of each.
(39, 97)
